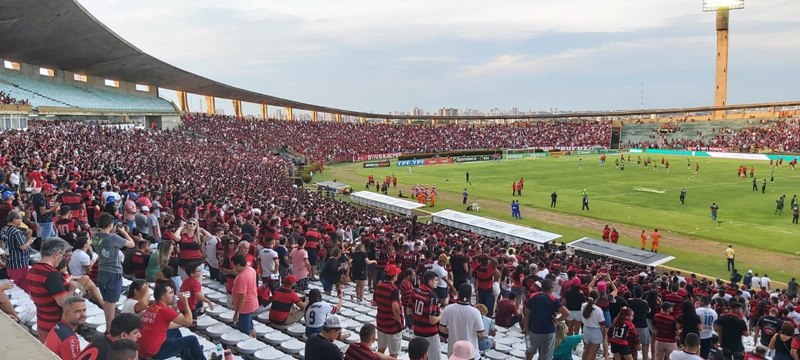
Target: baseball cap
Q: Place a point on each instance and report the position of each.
(290, 280)
(576, 282)
(145, 209)
(7, 195)
(48, 187)
(391, 270)
(332, 322)
(463, 350)
(601, 286)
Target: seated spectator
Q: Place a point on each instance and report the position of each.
(125, 327)
(318, 310)
(363, 350)
(62, 339)
(124, 350)
(5, 303)
(135, 264)
(507, 311)
(486, 341)
(691, 349)
(320, 346)
(287, 307)
(760, 353)
(418, 349)
(158, 318)
(137, 298)
(463, 350)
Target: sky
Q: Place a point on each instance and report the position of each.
(382, 56)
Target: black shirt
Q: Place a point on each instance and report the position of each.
(770, 326)
(359, 263)
(733, 328)
(97, 350)
(457, 264)
(320, 348)
(640, 310)
(574, 298)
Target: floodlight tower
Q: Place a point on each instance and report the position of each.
(722, 8)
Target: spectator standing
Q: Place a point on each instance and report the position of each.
(47, 285)
(707, 318)
(44, 212)
(426, 313)
(301, 267)
(730, 256)
(108, 246)
(245, 295)
(666, 331)
(390, 312)
(62, 339)
(462, 321)
(270, 264)
(157, 319)
(542, 311)
(19, 249)
(443, 283)
(731, 328)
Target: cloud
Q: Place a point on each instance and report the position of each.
(432, 59)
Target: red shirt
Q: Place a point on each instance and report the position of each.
(485, 277)
(506, 309)
(282, 302)
(155, 322)
(45, 283)
(193, 286)
(63, 342)
(358, 351)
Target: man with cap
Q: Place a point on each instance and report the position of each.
(283, 302)
(731, 327)
(44, 212)
(666, 330)
(320, 346)
(390, 312)
(443, 283)
(19, 249)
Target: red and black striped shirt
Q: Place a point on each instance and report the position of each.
(425, 305)
(407, 260)
(485, 275)
(190, 250)
(385, 294)
(358, 351)
(407, 293)
(619, 335)
(666, 327)
(139, 264)
(45, 283)
(282, 301)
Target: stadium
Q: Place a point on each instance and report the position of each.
(156, 213)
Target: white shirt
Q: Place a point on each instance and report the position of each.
(463, 322)
(756, 284)
(595, 318)
(317, 313)
(707, 317)
(442, 273)
(129, 307)
(765, 282)
(682, 355)
(14, 178)
(267, 258)
(79, 259)
(211, 252)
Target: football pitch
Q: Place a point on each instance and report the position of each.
(637, 199)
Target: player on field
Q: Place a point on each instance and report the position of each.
(683, 195)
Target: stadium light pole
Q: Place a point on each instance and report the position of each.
(722, 8)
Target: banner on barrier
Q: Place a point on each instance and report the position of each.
(377, 164)
(438, 161)
(368, 157)
(471, 158)
(527, 155)
(414, 162)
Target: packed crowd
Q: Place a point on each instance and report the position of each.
(7, 99)
(331, 141)
(781, 136)
(94, 202)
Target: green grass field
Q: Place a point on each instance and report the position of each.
(746, 218)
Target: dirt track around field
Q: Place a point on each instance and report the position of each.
(714, 250)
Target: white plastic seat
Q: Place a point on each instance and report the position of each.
(233, 337)
(95, 321)
(348, 313)
(276, 338)
(205, 321)
(269, 353)
(217, 330)
(517, 353)
(342, 346)
(250, 346)
(365, 319)
(364, 309)
(215, 311)
(226, 316)
(262, 329)
(507, 341)
(216, 296)
(263, 317)
(292, 346)
(496, 355)
(296, 330)
(351, 325)
(505, 349)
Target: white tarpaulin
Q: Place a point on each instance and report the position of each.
(380, 201)
(493, 228)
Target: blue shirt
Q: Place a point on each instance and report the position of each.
(542, 308)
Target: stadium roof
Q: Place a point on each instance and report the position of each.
(61, 34)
